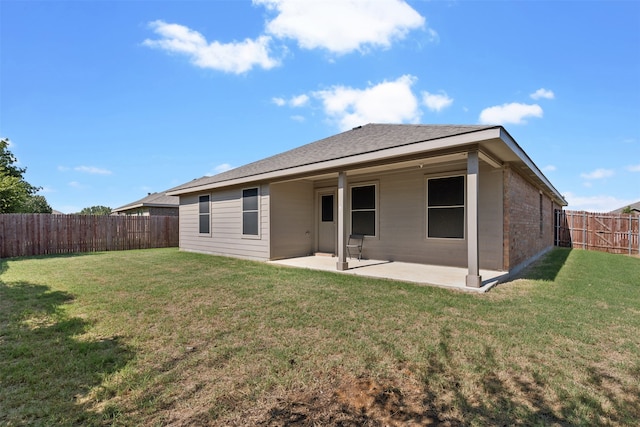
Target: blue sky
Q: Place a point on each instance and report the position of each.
(105, 101)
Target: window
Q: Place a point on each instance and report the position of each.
(204, 214)
(250, 212)
(445, 207)
(363, 210)
(327, 208)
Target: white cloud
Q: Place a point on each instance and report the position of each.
(514, 113)
(597, 203)
(634, 168)
(342, 26)
(219, 169)
(92, 170)
(300, 100)
(597, 174)
(436, 101)
(386, 102)
(76, 184)
(542, 93)
(549, 168)
(434, 37)
(236, 57)
(46, 190)
(294, 101)
(222, 168)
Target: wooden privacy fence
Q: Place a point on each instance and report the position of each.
(615, 233)
(41, 234)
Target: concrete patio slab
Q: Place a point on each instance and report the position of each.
(435, 275)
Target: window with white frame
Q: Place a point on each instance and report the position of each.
(250, 212)
(363, 209)
(445, 207)
(204, 214)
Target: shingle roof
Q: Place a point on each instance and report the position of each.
(360, 140)
(153, 199)
(634, 206)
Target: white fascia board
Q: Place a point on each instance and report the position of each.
(513, 146)
(348, 162)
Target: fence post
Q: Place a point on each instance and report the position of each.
(584, 230)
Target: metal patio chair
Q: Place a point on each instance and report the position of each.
(354, 245)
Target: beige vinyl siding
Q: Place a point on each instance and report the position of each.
(402, 218)
(292, 216)
(226, 226)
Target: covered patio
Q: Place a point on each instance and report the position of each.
(423, 274)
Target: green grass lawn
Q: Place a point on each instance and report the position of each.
(155, 337)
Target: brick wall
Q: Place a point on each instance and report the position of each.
(524, 235)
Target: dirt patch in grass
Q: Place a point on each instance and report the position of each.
(353, 402)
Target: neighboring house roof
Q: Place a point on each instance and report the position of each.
(634, 207)
(157, 200)
(372, 143)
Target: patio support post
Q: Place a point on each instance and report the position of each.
(342, 263)
(473, 279)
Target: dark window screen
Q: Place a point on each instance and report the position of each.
(250, 223)
(446, 191)
(446, 223)
(327, 208)
(445, 207)
(204, 222)
(363, 222)
(250, 211)
(363, 197)
(363, 210)
(250, 199)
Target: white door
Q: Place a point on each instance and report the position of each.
(327, 217)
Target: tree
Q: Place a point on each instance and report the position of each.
(627, 210)
(36, 204)
(13, 193)
(96, 210)
(16, 194)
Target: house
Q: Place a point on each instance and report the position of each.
(634, 209)
(450, 195)
(152, 204)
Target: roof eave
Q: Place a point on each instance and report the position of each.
(145, 205)
(128, 207)
(344, 162)
(515, 148)
(432, 145)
